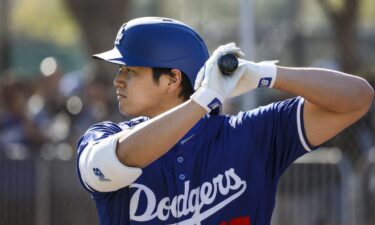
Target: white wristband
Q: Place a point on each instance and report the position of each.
(207, 98)
(267, 72)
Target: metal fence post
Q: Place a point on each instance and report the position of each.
(42, 192)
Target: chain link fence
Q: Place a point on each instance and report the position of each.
(43, 191)
(317, 189)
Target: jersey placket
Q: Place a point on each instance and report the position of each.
(181, 175)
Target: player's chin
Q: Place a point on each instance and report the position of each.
(123, 110)
(126, 111)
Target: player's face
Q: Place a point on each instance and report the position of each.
(137, 93)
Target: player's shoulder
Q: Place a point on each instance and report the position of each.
(265, 111)
(99, 131)
(113, 127)
(133, 122)
(104, 129)
(104, 125)
(274, 107)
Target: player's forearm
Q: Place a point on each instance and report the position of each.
(151, 139)
(331, 90)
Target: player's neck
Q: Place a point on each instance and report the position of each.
(165, 107)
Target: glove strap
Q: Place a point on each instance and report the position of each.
(268, 73)
(207, 98)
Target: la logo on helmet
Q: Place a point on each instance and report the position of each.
(120, 34)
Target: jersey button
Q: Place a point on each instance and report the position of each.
(182, 176)
(180, 159)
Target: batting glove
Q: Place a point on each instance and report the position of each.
(254, 75)
(212, 87)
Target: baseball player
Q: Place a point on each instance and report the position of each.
(178, 161)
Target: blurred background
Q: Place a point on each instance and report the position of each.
(51, 91)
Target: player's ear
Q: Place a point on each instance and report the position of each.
(175, 79)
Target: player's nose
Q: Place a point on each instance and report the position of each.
(119, 81)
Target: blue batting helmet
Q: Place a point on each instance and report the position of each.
(158, 42)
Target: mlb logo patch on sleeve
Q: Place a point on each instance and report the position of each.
(100, 175)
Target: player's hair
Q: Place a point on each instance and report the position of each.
(186, 87)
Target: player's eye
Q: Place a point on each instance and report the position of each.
(130, 71)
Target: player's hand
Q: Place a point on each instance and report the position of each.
(212, 87)
(254, 75)
(221, 50)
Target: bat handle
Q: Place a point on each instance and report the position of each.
(228, 63)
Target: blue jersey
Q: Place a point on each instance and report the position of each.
(224, 171)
